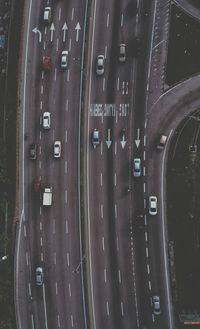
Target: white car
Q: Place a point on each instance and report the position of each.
(47, 15)
(153, 205)
(39, 276)
(122, 52)
(100, 65)
(95, 138)
(57, 149)
(46, 120)
(64, 59)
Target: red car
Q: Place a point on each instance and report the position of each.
(46, 63)
(37, 184)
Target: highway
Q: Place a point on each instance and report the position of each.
(103, 255)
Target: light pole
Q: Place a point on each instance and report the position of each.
(3, 258)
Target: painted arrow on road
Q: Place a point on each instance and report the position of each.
(35, 30)
(108, 142)
(52, 29)
(77, 28)
(137, 140)
(64, 28)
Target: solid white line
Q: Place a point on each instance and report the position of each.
(45, 309)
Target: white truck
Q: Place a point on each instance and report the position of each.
(47, 196)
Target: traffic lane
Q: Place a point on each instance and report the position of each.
(99, 242)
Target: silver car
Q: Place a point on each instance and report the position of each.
(122, 52)
(64, 59)
(95, 138)
(39, 276)
(153, 205)
(100, 65)
(46, 120)
(156, 305)
(136, 167)
(57, 149)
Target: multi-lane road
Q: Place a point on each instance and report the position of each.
(103, 255)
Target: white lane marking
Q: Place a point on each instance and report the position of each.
(146, 236)
(40, 226)
(145, 125)
(150, 285)
(66, 196)
(42, 75)
(54, 256)
(67, 103)
(145, 219)
(101, 211)
(68, 75)
(148, 269)
(107, 308)
(41, 257)
(70, 291)
(115, 179)
(101, 179)
(58, 321)
(103, 245)
(41, 241)
(115, 211)
(104, 81)
(72, 17)
(54, 226)
(105, 277)
(45, 30)
(117, 244)
(41, 104)
(27, 262)
(144, 171)
(56, 288)
(153, 318)
(44, 45)
(68, 259)
(106, 50)
(101, 148)
(144, 187)
(45, 307)
(72, 321)
(122, 308)
(41, 89)
(118, 83)
(66, 227)
(59, 15)
(32, 321)
(119, 276)
(65, 167)
(29, 288)
(40, 164)
(115, 148)
(70, 44)
(24, 231)
(65, 136)
(57, 41)
(147, 252)
(145, 203)
(108, 19)
(55, 74)
(122, 19)
(144, 140)
(144, 155)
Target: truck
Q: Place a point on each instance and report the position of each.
(47, 196)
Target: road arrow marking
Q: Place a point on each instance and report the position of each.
(52, 29)
(123, 142)
(64, 28)
(137, 141)
(35, 30)
(77, 28)
(108, 142)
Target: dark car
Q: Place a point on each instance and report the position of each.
(46, 63)
(33, 151)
